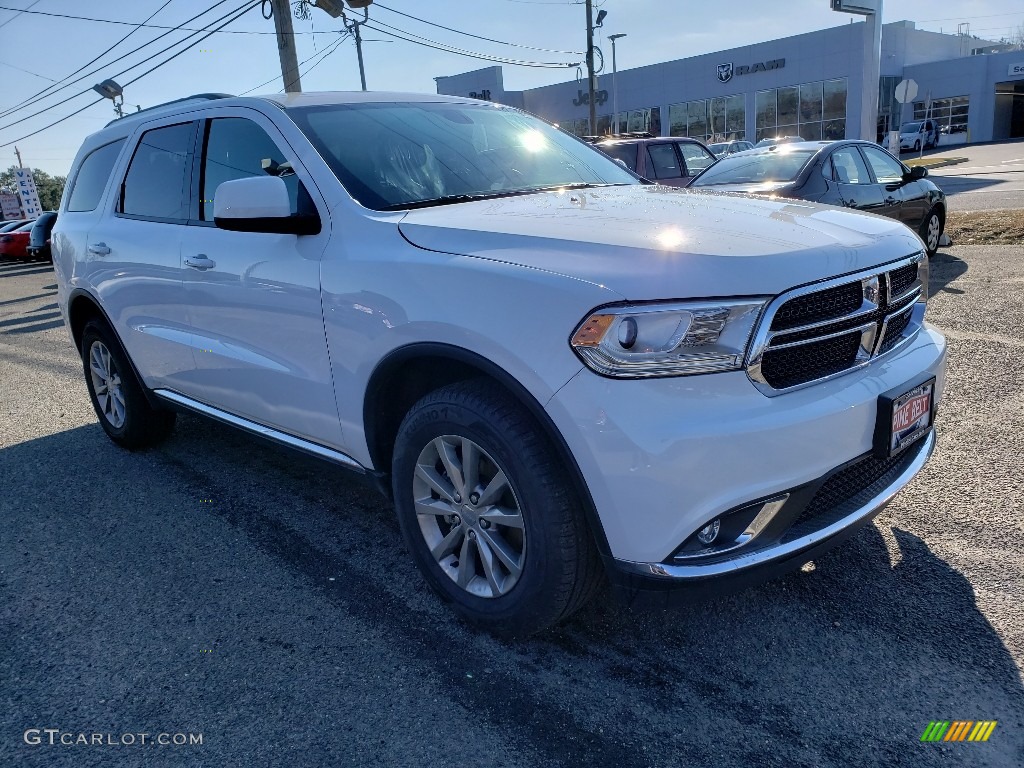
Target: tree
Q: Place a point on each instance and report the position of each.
(1017, 37)
(50, 188)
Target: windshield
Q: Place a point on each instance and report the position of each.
(781, 165)
(394, 156)
(910, 128)
(718, 148)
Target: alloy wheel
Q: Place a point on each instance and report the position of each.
(469, 515)
(934, 232)
(106, 384)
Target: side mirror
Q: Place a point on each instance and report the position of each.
(260, 204)
(917, 172)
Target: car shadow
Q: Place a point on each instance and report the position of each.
(943, 269)
(844, 664)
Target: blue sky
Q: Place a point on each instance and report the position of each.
(36, 50)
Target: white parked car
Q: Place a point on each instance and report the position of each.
(558, 372)
(919, 134)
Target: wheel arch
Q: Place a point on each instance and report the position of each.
(410, 372)
(83, 307)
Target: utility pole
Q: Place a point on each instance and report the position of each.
(353, 27)
(286, 46)
(591, 77)
(18, 153)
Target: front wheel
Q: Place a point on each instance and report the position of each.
(917, 145)
(931, 230)
(488, 513)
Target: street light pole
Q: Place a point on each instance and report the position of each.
(353, 28)
(615, 83)
(591, 88)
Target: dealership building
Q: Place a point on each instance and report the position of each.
(807, 85)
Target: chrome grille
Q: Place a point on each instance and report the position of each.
(819, 331)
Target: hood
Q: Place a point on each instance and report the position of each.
(751, 188)
(651, 242)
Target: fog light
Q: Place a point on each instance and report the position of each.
(709, 532)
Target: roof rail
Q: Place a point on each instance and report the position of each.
(193, 97)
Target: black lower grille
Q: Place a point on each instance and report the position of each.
(817, 307)
(894, 331)
(851, 488)
(791, 366)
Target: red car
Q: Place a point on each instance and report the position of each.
(13, 244)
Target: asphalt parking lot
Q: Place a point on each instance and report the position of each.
(223, 587)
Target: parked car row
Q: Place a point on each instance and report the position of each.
(28, 239)
(847, 173)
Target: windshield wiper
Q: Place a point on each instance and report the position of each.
(474, 196)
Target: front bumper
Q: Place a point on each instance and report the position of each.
(661, 583)
(664, 457)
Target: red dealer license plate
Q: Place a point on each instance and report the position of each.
(909, 416)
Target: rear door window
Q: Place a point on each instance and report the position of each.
(848, 167)
(159, 176)
(664, 161)
(624, 152)
(695, 157)
(92, 177)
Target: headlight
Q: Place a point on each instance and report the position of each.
(675, 339)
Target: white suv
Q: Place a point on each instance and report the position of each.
(557, 371)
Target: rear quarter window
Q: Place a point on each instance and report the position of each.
(92, 177)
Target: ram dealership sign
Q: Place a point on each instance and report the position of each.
(726, 71)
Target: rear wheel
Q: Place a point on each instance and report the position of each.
(931, 229)
(488, 513)
(117, 395)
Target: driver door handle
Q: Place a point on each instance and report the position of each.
(200, 261)
(99, 249)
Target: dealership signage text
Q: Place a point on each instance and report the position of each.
(726, 71)
(600, 97)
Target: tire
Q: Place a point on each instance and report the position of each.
(129, 420)
(547, 536)
(932, 228)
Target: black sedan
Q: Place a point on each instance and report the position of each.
(853, 174)
(39, 239)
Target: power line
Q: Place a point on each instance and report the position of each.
(344, 36)
(148, 26)
(18, 12)
(428, 43)
(478, 37)
(41, 93)
(118, 74)
(27, 72)
(241, 12)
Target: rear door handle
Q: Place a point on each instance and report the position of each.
(99, 249)
(200, 262)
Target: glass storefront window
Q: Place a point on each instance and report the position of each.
(813, 111)
(767, 114)
(719, 119)
(810, 103)
(834, 107)
(789, 99)
(951, 114)
(697, 118)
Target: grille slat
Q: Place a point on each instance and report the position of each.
(834, 346)
(901, 279)
(829, 304)
(783, 368)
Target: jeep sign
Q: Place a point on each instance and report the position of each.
(1017, 70)
(726, 71)
(600, 97)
